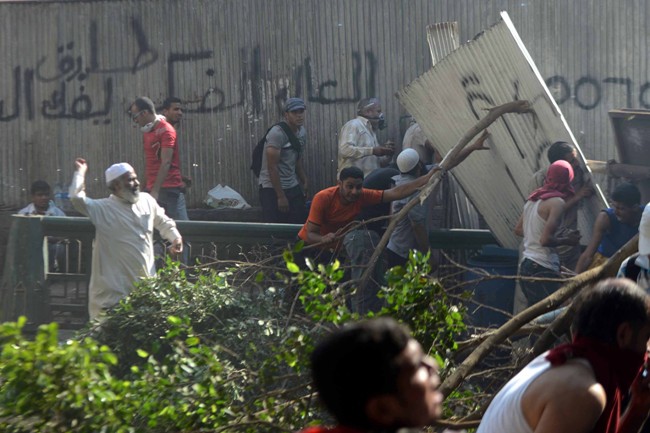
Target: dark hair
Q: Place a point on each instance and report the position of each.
(351, 172)
(612, 302)
(557, 151)
(40, 186)
(167, 103)
(356, 363)
(144, 103)
(365, 103)
(627, 194)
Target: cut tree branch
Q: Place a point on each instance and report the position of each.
(493, 114)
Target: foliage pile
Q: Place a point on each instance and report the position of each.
(183, 355)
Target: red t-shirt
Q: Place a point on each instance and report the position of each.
(161, 136)
(331, 214)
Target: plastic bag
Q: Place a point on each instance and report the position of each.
(224, 197)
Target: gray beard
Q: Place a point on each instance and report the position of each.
(131, 197)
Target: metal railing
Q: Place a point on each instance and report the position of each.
(49, 259)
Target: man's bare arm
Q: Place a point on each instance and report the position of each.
(165, 163)
(600, 228)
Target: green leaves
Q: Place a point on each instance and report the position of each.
(223, 349)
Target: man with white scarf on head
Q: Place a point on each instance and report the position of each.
(123, 248)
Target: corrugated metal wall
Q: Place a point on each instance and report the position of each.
(490, 71)
(69, 70)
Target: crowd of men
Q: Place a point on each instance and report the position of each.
(372, 376)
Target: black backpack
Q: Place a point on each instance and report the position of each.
(258, 151)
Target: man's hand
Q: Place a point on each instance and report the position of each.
(176, 247)
(328, 237)
(585, 191)
(80, 166)
(572, 238)
(382, 150)
(283, 204)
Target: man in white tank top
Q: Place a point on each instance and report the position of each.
(580, 387)
(538, 225)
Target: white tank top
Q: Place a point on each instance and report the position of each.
(504, 415)
(533, 228)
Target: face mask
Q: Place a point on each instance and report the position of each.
(149, 126)
(381, 121)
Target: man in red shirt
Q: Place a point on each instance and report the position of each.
(162, 166)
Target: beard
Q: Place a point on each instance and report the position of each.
(130, 196)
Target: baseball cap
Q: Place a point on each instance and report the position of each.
(644, 232)
(407, 160)
(117, 170)
(294, 104)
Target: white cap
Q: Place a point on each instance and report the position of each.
(117, 170)
(407, 160)
(644, 232)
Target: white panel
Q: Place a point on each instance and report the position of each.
(448, 100)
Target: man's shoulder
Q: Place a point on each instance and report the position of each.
(571, 385)
(552, 202)
(26, 210)
(380, 178)
(356, 122)
(327, 192)
(276, 137)
(55, 211)
(164, 127)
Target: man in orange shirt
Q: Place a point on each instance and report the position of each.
(332, 209)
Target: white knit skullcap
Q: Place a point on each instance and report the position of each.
(117, 170)
(407, 160)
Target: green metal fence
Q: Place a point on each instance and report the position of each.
(48, 259)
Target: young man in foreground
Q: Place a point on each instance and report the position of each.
(372, 376)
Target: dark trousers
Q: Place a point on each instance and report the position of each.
(395, 259)
(297, 211)
(535, 291)
(173, 201)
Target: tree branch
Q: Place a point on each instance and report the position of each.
(493, 114)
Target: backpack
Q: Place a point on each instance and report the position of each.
(258, 150)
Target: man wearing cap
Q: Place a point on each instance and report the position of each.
(637, 266)
(162, 163)
(358, 145)
(412, 232)
(283, 183)
(124, 224)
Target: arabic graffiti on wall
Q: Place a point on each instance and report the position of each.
(71, 75)
(215, 99)
(82, 88)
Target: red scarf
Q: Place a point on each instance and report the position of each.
(615, 370)
(557, 183)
